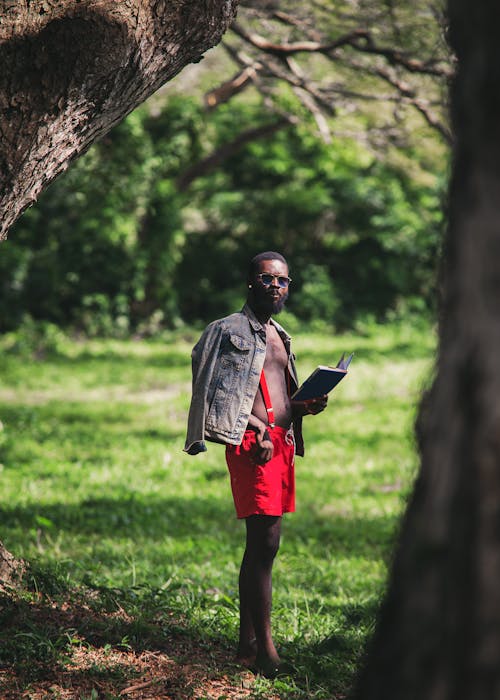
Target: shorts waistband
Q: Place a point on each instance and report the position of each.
(285, 433)
(279, 429)
(275, 429)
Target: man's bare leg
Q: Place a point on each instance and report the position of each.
(247, 646)
(262, 544)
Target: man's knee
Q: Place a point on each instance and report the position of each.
(263, 536)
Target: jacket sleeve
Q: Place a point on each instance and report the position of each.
(203, 358)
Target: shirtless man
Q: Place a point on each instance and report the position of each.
(250, 410)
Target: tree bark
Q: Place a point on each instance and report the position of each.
(11, 570)
(71, 69)
(438, 636)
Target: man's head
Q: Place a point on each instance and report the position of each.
(268, 283)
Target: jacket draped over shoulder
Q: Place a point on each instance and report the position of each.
(227, 362)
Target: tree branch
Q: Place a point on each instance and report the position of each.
(354, 55)
(407, 93)
(236, 84)
(288, 49)
(366, 44)
(359, 39)
(217, 157)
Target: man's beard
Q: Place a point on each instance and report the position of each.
(262, 301)
(279, 304)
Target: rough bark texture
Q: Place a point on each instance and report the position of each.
(438, 635)
(71, 69)
(11, 570)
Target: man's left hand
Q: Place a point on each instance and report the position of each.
(311, 406)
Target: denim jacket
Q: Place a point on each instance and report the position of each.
(227, 362)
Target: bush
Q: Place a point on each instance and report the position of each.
(115, 241)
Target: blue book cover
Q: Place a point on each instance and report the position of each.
(322, 380)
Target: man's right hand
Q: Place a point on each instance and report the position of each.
(264, 447)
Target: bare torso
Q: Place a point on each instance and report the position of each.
(275, 365)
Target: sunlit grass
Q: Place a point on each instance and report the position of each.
(94, 481)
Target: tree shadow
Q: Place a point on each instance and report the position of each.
(113, 629)
(84, 639)
(333, 662)
(110, 639)
(154, 517)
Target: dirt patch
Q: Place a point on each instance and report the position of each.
(70, 651)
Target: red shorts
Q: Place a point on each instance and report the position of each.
(263, 489)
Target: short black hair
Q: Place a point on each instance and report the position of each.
(257, 259)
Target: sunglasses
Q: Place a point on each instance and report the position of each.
(267, 279)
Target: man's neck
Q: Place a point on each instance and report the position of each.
(262, 316)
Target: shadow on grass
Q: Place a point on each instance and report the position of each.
(77, 639)
(155, 518)
(346, 536)
(82, 639)
(333, 662)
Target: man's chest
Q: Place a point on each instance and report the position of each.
(276, 353)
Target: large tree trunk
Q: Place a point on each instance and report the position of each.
(438, 635)
(71, 69)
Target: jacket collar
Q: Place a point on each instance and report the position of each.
(257, 325)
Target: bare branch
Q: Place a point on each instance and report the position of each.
(232, 87)
(310, 104)
(214, 160)
(359, 39)
(285, 71)
(394, 57)
(407, 93)
(298, 46)
(279, 52)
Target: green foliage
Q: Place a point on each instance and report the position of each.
(97, 492)
(360, 234)
(115, 245)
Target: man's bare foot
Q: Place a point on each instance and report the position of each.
(268, 666)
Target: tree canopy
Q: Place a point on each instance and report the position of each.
(331, 147)
(384, 60)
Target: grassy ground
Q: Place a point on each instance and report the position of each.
(135, 547)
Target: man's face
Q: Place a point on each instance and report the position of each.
(269, 298)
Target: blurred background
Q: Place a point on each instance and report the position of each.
(317, 131)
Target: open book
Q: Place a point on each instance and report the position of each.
(322, 380)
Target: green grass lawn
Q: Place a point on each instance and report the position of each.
(96, 490)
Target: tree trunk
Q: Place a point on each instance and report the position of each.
(438, 635)
(11, 570)
(71, 69)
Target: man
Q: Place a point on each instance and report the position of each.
(243, 377)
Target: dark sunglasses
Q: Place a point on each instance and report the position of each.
(267, 279)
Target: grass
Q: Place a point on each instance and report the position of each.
(99, 496)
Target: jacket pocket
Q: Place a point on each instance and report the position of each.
(234, 352)
(240, 343)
